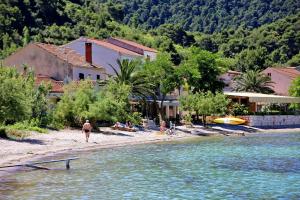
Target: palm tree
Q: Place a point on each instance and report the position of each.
(253, 81)
(130, 75)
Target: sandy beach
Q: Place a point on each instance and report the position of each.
(39, 145)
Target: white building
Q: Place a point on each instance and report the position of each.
(106, 52)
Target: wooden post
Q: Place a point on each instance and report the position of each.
(34, 165)
(67, 164)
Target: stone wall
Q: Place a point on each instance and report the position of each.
(274, 120)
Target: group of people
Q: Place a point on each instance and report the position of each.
(87, 128)
(163, 128)
(127, 125)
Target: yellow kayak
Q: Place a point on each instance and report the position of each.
(230, 120)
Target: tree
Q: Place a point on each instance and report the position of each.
(15, 96)
(129, 74)
(205, 104)
(253, 81)
(208, 68)
(163, 75)
(176, 34)
(295, 61)
(112, 103)
(73, 108)
(40, 104)
(252, 59)
(26, 36)
(82, 100)
(294, 91)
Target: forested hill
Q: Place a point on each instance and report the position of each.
(60, 21)
(206, 15)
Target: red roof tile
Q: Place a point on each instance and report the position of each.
(288, 71)
(112, 46)
(67, 54)
(137, 45)
(57, 86)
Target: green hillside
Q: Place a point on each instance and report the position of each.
(206, 15)
(60, 21)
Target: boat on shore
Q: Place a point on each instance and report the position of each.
(229, 120)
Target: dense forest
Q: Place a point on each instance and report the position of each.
(206, 15)
(242, 45)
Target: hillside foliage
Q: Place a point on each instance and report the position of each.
(206, 15)
(238, 34)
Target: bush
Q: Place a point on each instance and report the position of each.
(239, 109)
(82, 101)
(135, 118)
(27, 126)
(16, 93)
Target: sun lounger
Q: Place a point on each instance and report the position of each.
(121, 128)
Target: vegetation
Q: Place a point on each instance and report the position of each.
(16, 92)
(239, 109)
(205, 67)
(204, 104)
(206, 16)
(23, 107)
(294, 90)
(83, 101)
(253, 81)
(197, 40)
(240, 32)
(162, 74)
(130, 75)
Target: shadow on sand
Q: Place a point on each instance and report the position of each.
(30, 141)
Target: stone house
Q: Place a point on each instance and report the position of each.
(54, 65)
(58, 63)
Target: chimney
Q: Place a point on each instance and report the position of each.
(88, 52)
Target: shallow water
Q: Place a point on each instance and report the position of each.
(252, 167)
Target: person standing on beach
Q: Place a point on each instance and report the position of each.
(87, 128)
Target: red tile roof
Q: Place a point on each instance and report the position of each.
(137, 45)
(288, 71)
(112, 46)
(57, 86)
(67, 54)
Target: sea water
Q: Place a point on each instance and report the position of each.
(265, 166)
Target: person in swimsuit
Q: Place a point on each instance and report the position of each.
(86, 128)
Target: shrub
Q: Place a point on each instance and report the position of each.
(16, 93)
(135, 118)
(239, 109)
(27, 126)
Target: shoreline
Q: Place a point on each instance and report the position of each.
(39, 146)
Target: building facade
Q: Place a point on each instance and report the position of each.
(106, 52)
(56, 62)
(282, 78)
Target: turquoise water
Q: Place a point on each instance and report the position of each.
(252, 167)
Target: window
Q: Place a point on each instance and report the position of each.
(81, 76)
(269, 74)
(98, 77)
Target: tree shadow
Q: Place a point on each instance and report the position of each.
(30, 141)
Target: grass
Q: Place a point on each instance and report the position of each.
(19, 131)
